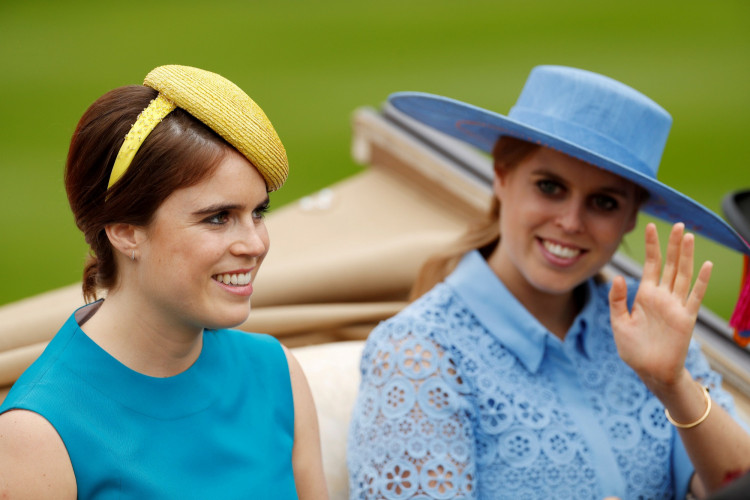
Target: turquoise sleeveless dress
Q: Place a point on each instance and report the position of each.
(222, 429)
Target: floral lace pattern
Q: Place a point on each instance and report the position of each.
(446, 410)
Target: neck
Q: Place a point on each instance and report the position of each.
(555, 311)
(125, 329)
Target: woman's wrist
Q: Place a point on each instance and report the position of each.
(694, 423)
(687, 403)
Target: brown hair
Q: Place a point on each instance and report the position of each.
(485, 234)
(178, 153)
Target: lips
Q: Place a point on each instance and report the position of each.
(233, 279)
(559, 254)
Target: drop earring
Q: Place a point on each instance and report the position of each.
(132, 256)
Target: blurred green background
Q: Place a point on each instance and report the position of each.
(310, 64)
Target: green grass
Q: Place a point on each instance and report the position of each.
(310, 64)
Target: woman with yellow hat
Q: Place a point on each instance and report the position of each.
(520, 372)
(146, 393)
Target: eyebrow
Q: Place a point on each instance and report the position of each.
(614, 190)
(223, 207)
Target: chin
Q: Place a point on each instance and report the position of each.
(230, 319)
(557, 285)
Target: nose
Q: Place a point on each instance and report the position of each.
(251, 240)
(570, 217)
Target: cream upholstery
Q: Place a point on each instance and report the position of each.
(332, 370)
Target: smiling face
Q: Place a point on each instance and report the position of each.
(561, 221)
(198, 257)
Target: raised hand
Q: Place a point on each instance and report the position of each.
(653, 338)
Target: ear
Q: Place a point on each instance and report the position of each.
(124, 238)
(498, 183)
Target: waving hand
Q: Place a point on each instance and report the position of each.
(653, 338)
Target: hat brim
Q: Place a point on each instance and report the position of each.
(482, 128)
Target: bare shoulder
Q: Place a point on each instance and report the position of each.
(299, 381)
(34, 462)
(304, 407)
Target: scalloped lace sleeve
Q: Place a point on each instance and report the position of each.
(411, 435)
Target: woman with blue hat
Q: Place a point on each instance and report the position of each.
(520, 372)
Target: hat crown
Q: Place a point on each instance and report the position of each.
(227, 110)
(596, 113)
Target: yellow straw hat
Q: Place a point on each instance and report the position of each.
(220, 105)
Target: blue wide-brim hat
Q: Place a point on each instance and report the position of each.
(587, 116)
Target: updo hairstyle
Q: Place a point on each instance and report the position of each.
(180, 152)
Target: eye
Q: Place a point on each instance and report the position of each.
(604, 203)
(218, 218)
(260, 212)
(549, 187)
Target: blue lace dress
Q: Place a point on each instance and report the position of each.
(465, 395)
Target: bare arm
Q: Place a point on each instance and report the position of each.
(306, 454)
(653, 339)
(34, 462)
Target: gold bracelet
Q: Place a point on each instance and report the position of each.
(701, 419)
